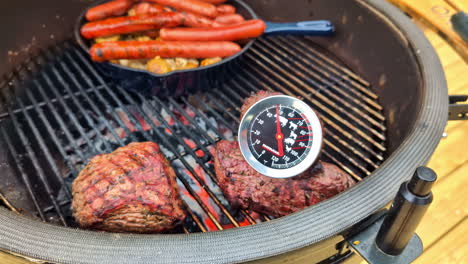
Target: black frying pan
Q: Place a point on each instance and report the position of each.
(180, 82)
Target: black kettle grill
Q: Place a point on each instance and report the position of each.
(377, 84)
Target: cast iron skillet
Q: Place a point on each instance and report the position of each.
(181, 82)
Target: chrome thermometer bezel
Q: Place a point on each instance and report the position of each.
(301, 107)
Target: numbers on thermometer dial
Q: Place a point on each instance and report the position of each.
(280, 137)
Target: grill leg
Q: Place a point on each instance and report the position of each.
(392, 238)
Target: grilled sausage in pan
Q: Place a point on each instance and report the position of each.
(113, 8)
(130, 24)
(229, 19)
(226, 9)
(194, 6)
(214, 2)
(167, 49)
(148, 9)
(248, 29)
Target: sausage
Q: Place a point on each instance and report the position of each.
(112, 8)
(225, 9)
(148, 8)
(166, 49)
(230, 19)
(244, 30)
(214, 2)
(130, 24)
(194, 20)
(193, 6)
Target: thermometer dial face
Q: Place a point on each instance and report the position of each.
(280, 136)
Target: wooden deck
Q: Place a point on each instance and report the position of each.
(444, 229)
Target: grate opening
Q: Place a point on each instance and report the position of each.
(59, 112)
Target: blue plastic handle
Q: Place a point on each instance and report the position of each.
(315, 28)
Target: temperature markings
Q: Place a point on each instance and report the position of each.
(296, 118)
(301, 147)
(307, 135)
(306, 127)
(302, 140)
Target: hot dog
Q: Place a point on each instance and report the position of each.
(166, 49)
(130, 24)
(225, 9)
(148, 8)
(230, 19)
(244, 30)
(214, 2)
(194, 6)
(112, 8)
(194, 20)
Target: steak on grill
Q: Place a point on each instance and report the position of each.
(248, 102)
(244, 187)
(132, 189)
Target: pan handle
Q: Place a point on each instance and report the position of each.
(316, 28)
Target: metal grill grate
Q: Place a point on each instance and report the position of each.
(59, 112)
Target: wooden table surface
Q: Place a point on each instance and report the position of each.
(444, 229)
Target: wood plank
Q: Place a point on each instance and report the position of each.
(451, 249)
(448, 208)
(452, 151)
(436, 14)
(459, 5)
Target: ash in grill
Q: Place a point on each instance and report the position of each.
(60, 112)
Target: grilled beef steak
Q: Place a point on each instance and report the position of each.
(244, 187)
(132, 189)
(255, 98)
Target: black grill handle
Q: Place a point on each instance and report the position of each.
(391, 239)
(407, 210)
(457, 109)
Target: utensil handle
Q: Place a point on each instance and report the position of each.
(316, 28)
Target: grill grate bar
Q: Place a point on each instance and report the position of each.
(51, 132)
(364, 84)
(197, 159)
(208, 171)
(45, 149)
(327, 121)
(29, 107)
(76, 102)
(192, 122)
(67, 111)
(229, 101)
(201, 131)
(344, 167)
(179, 155)
(205, 119)
(35, 162)
(337, 100)
(320, 65)
(61, 122)
(88, 99)
(319, 106)
(101, 98)
(24, 177)
(328, 81)
(326, 109)
(213, 112)
(216, 102)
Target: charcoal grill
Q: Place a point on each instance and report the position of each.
(383, 103)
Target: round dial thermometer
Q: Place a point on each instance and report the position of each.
(280, 136)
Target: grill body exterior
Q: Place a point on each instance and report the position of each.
(374, 39)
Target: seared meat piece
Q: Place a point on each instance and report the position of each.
(255, 98)
(246, 188)
(132, 189)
